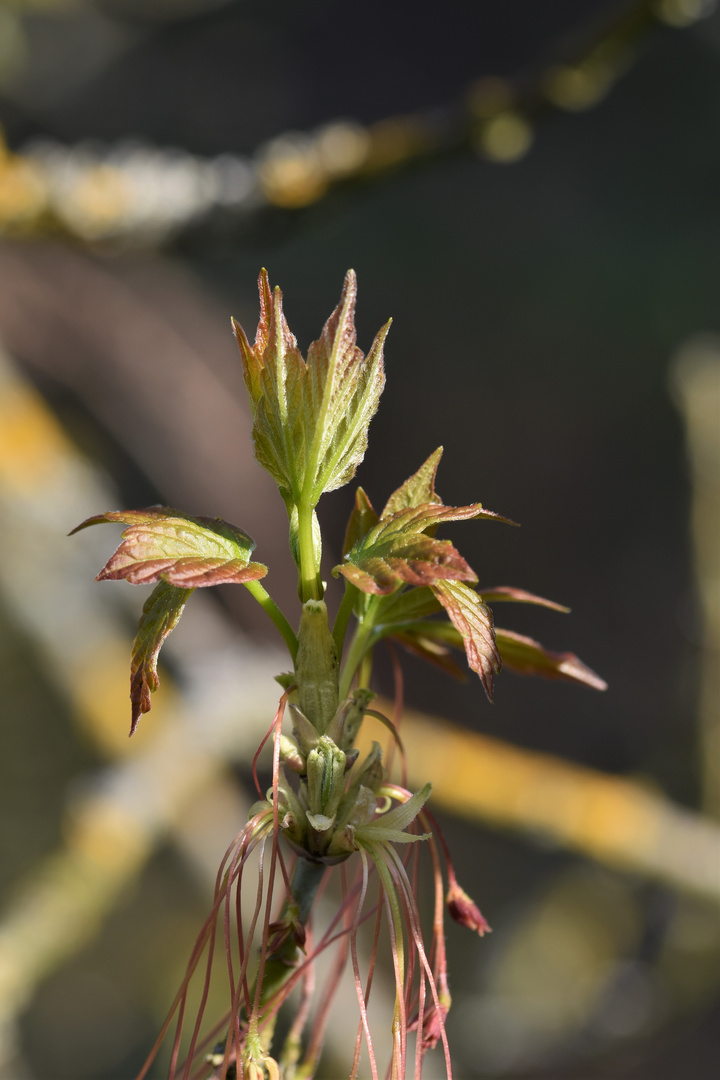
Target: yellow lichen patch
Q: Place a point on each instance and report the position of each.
(110, 840)
(23, 193)
(101, 695)
(33, 448)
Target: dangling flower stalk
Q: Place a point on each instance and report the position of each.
(328, 805)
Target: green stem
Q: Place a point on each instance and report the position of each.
(280, 966)
(306, 881)
(343, 617)
(269, 606)
(361, 642)
(310, 584)
(365, 669)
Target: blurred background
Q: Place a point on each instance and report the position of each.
(532, 191)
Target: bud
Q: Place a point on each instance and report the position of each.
(316, 666)
(291, 756)
(348, 718)
(433, 1022)
(464, 911)
(369, 776)
(287, 928)
(325, 779)
(361, 811)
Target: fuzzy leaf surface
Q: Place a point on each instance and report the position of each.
(162, 544)
(398, 550)
(362, 519)
(418, 488)
(160, 615)
(527, 657)
(473, 619)
(252, 355)
(276, 381)
(343, 390)
(310, 419)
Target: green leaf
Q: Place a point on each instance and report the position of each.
(403, 617)
(398, 550)
(418, 488)
(310, 419)
(276, 385)
(527, 657)
(162, 544)
(362, 519)
(390, 827)
(160, 615)
(343, 389)
(406, 605)
(473, 619)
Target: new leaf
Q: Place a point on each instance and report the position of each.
(528, 657)
(398, 550)
(473, 619)
(160, 615)
(310, 419)
(180, 553)
(162, 544)
(342, 392)
(418, 488)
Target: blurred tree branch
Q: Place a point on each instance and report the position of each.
(696, 384)
(147, 196)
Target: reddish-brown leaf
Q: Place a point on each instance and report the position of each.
(252, 355)
(398, 550)
(519, 596)
(473, 619)
(162, 544)
(160, 614)
(528, 657)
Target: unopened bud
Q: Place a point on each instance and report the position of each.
(349, 716)
(372, 773)
(291, 755)
(464, 911)
(325, 778)
(316, 666)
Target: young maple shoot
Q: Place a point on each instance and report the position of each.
(402, 582)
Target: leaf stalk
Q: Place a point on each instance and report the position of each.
(310, 583)
(271, 609)
(343, 617)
